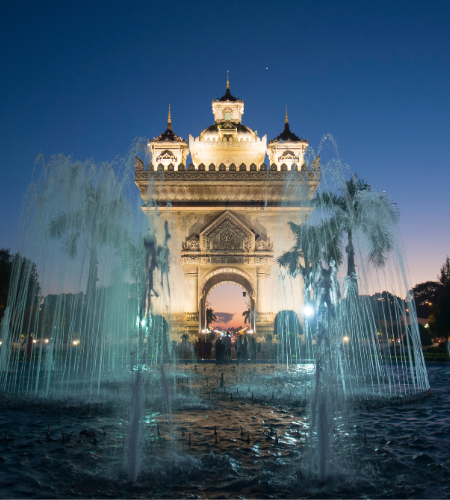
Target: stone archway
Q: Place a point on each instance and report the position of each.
(221, 276)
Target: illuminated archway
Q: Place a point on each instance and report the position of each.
(220, 277)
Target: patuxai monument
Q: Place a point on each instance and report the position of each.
(227, 213)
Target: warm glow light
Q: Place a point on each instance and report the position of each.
(46, 340)
(346, 339)
(34, 341)
(75, 342)
(308, 311)
(427, 326)
(250, 331)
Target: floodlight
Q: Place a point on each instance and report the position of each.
(308, 311)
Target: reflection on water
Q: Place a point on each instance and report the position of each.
(247, 438)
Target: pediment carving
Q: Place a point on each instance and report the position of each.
(166, 155)
(192, 244)
(262, 244)
(288, 155)
(227, 234)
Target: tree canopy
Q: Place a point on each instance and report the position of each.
(210, 316)
(24, 273)
(359, 208)
(432, 300)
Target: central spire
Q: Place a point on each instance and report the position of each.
(169, 121)
(228, 80)
(286, 119)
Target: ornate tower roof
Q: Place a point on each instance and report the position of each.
(287, 135)
(287, 148)
(168, 148)
(169, 135)
(227, 97)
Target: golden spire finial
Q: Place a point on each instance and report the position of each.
(228, 80)
(169, 120)
(286, 119)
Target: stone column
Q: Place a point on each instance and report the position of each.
(263, 326)
(192, 319)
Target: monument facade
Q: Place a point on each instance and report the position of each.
(227, 213)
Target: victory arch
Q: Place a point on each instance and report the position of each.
(227, 213)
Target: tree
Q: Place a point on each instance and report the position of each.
(19, 280)
(441, 325)
(314, 245)
(426, 295)
(246, 315)
(6, 265)
(433, 301)
(444, 275)
(425, 338)
(210, 316)
(95, 221)
(287, 323)
(359, 208)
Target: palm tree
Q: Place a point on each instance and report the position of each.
(246, 315)
(95, 222)
(360, 208)
(314, 245)
(210, 316)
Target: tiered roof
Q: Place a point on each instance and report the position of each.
(287, 135)
(169, 135)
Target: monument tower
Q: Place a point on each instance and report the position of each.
(227, 212)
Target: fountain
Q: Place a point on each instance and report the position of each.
(99, 337)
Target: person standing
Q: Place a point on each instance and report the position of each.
(245, 348)
(238, 346)
(208, 347)
(227, 345)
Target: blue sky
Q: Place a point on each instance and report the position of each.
(86, 78)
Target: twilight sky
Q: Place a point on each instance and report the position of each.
(86, 78)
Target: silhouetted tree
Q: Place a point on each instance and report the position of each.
(18, 276)
(433, 301)
(95, 222)
(210, 316)
(246, 315)
(426, 295)
(359, 208)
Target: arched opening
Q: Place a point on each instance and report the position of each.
(230, 277)
(229, 301)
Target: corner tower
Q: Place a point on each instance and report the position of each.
(168, 150)
(287, 149)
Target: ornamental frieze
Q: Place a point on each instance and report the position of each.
(266, 260)
(224, 176)
(227, 259)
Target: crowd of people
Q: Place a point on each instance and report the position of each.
(245, 348)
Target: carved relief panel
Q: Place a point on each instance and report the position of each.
(227, 235)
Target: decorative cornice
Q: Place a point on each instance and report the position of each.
(213, 177)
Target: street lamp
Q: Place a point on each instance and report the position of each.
(308, 311)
